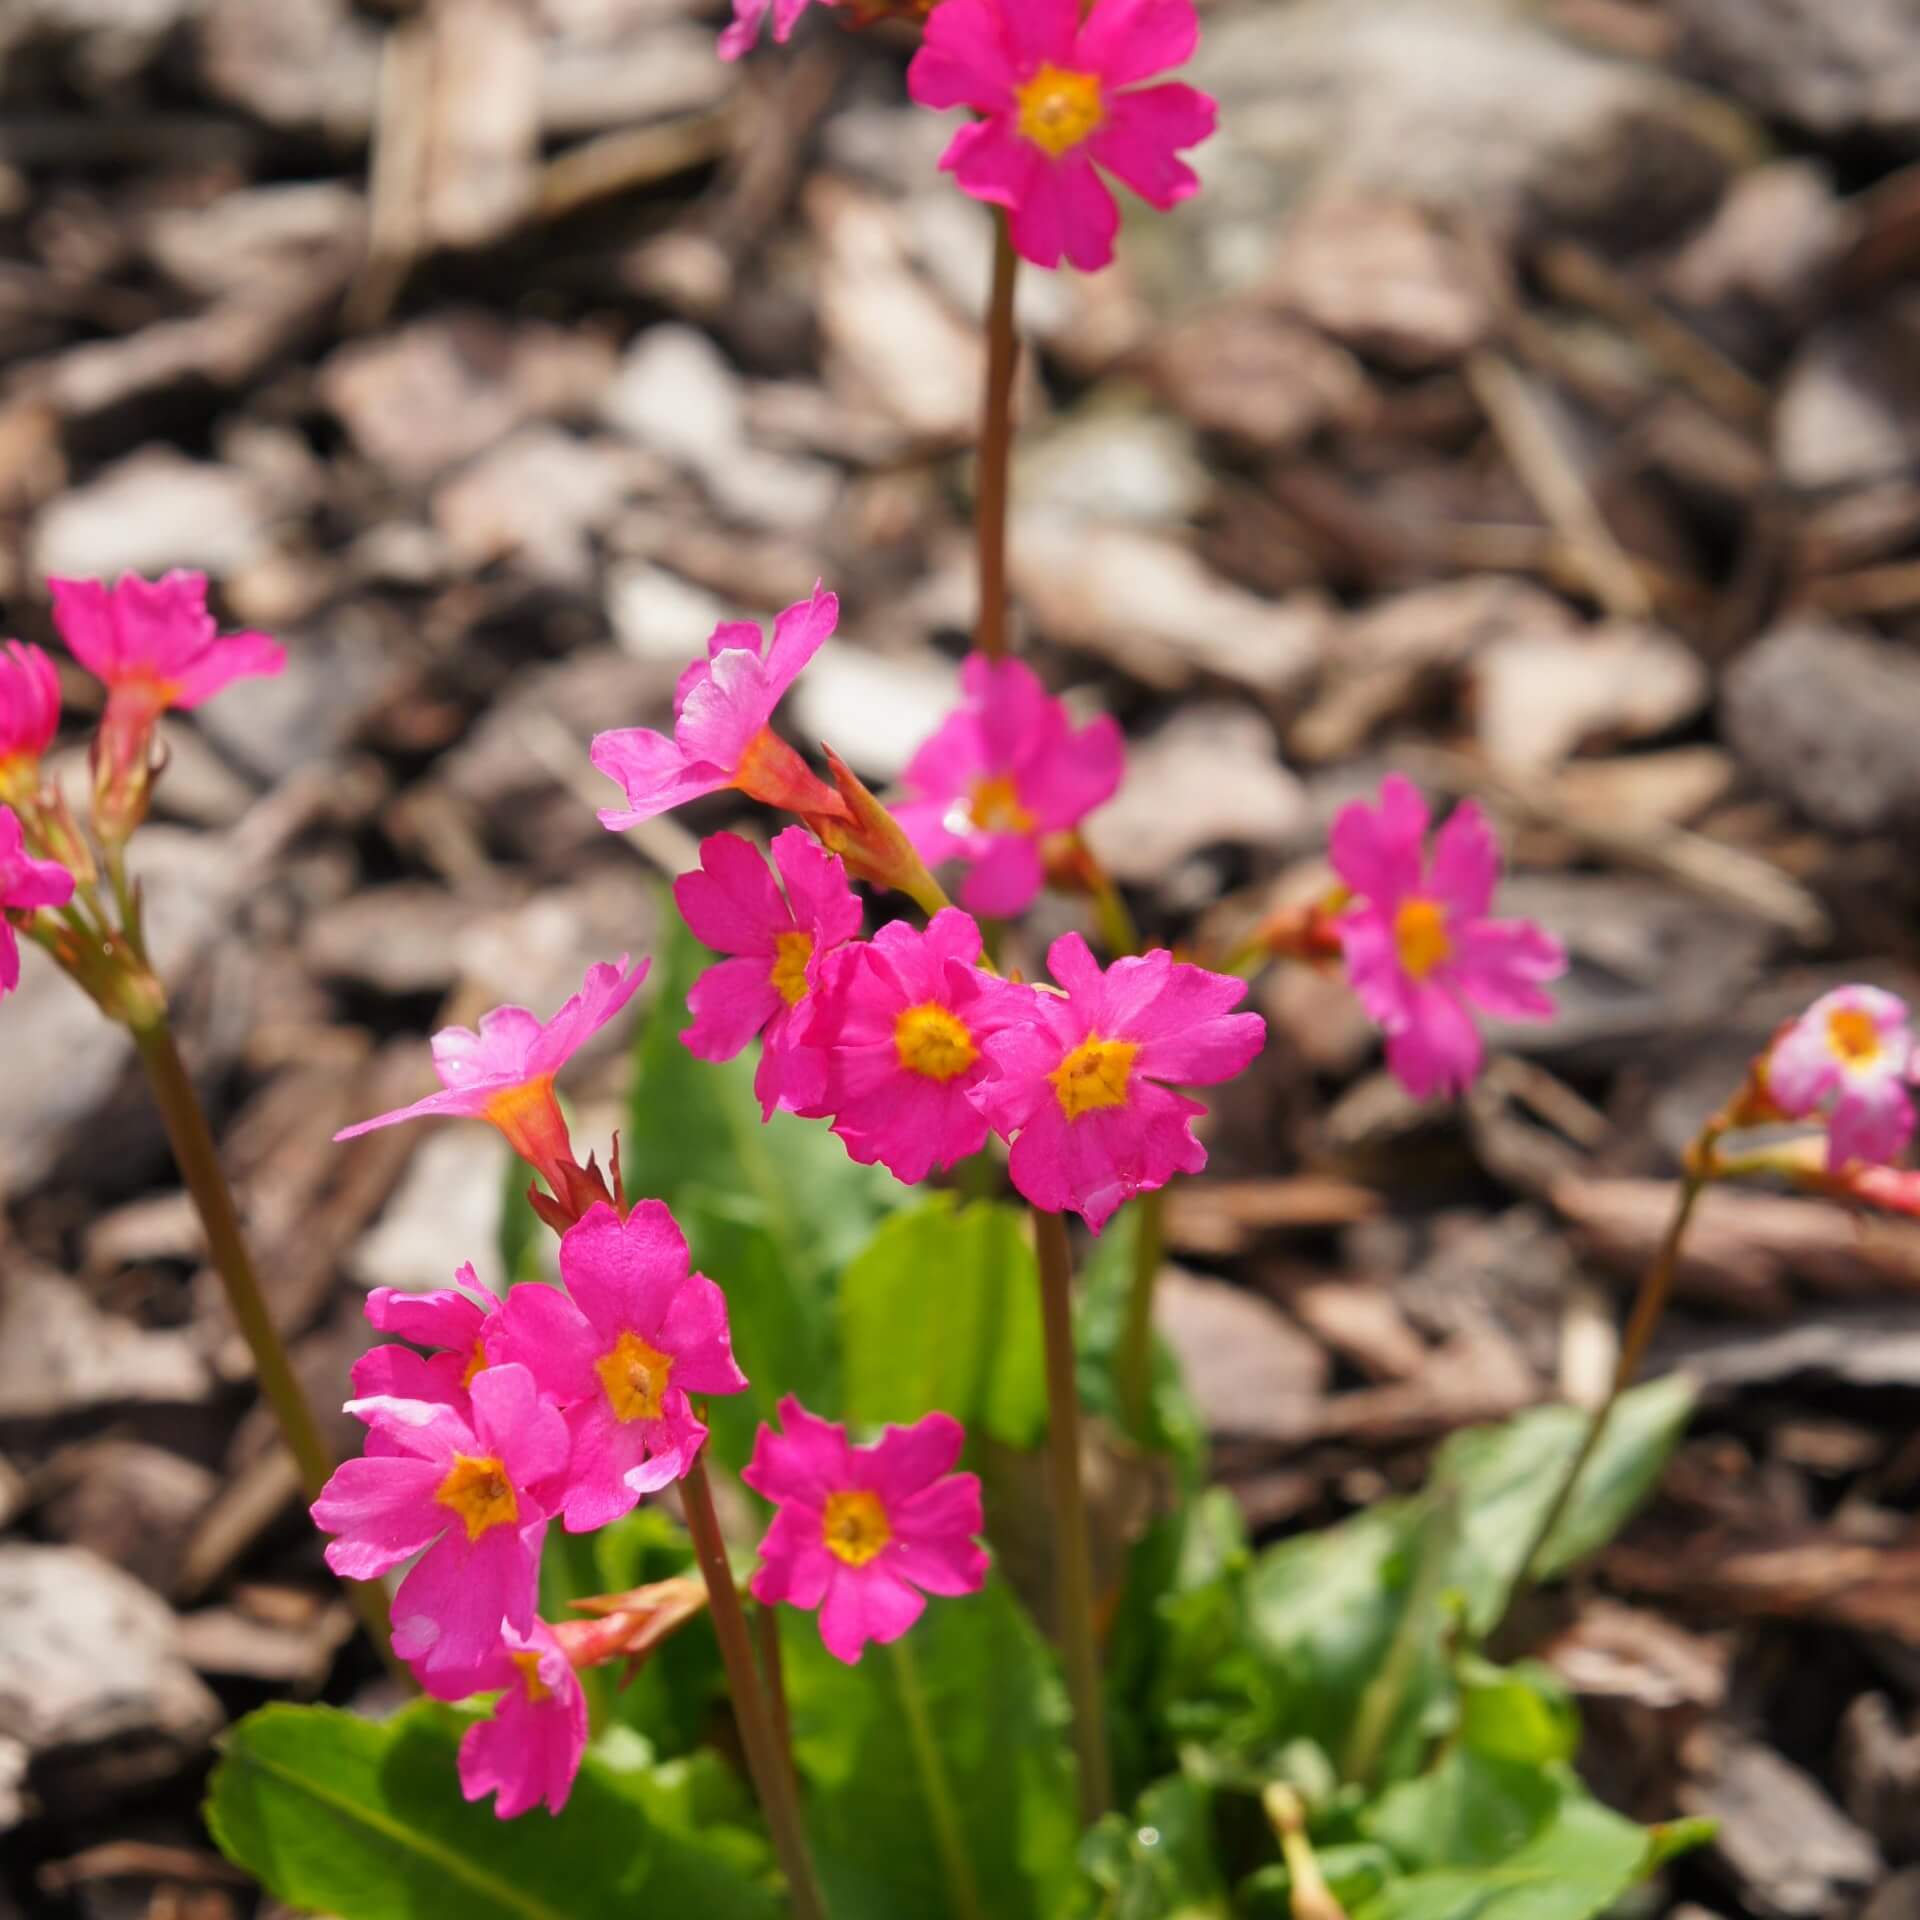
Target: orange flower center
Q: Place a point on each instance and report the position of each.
(933, 1041)
(792, 951)
(1059, 108)
(1094, 1076)
(855, 1527)
(530, 1117)
(477, 1489)
(635, 1377)
(1420, 936)
(994, 806)
(1853, 1037)
(529, 1665)
(476, 1361)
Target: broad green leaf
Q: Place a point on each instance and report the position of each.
(1159, 1865)
(996, 1712)
(1521, 1713)
(941, 1309)
(338, 1815)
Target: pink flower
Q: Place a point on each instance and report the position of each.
(471, 1496)
(29, 715)
(780, 944)
(1051, 89)
(1418, 945)
(1078, 1085)
(504, 1073)
(904, 1022)
(25, 884)
(1849, 1055)
(529, 1751)
(1002, 773)
(720, 733)
(747, 16)
(633, 1335)
(153, 641)
(448, 1321)
(864, 1533)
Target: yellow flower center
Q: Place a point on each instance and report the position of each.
(995, 806)
(932, 1041)
(1853, 1037)
(477, 1489)
(530, 1117)
(855, 1527)
(792, 951)
(529, 1665)
(1059, 108)
(1094, 1076)
(1420, 935)
(635, 1377)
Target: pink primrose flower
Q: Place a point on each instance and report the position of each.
(720, 733)
(449, 1321)
(1420, 950)
(747, 16)
(154, 642)
(504, 1073)
(904, 1022)
(1078, 1088)
(1004, 771)
(1058, 101)
(471, 1496)
(1849, 1056)
(779, 943)
(621, 1350)
(865, 1533)
(529, 1752)
(25, 884)
(29, 716)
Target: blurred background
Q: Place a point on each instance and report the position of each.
(1530, 401)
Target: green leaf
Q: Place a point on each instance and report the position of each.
(1161, 1864)
(336, 1814)
(997, 1714)
(942, 1309)
(1522, 1712)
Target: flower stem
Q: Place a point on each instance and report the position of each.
(779, 1800)
(199, 1163)
(947, 1832)
(773, 1673)
(1133, 1365)
(996, 447)
(1072, 1551)
(1310, 1897)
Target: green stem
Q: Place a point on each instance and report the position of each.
(996, 447)
(1310, 1897)
(779, 1800)
(947, 1832)
(1072, 1549)
(199, 1162)
(1133, 1366)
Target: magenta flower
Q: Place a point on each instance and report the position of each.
(633, 1335)
(529, 1751)
(1850, 1056)
(154, 642)
(865, 1533)
(505, 1072)
(1419, 948)
(904, 1021)
(747, 16)
(1077, 1086)
(1004, 771)
(720, 733)
(29, 716)
(449, 1321)
(780, 943)
(25, 885)
(471, 1496)
(1057, 97)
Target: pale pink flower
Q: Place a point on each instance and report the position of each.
(1078, 1085)
(747, 17)
(153, 641)
(26, 884)
(904, 1021)
(505, 1072)
(779, 943)
(1849, 1056)
(471, 1496)
(1058, 98)
(1419, 948)
(450, 1322)
(621, 1349)
(29, 716)
(865, 1533)
(1005, 770)
(720, 733)
(529, 1751)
